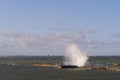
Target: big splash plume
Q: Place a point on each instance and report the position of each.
(73, 56)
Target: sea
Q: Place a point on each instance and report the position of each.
(19, 68)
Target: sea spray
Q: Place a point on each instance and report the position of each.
(74, 56)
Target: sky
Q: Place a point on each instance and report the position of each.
(45, 27)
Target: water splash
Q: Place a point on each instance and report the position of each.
(74, 56)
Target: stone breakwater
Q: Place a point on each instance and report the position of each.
(47, 65)
(106, 68)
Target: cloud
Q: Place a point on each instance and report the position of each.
(104, 47)
(8, 34)
(117, 35)
(13, 43)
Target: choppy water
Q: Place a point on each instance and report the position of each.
(26, 72)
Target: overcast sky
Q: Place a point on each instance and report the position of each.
(44, 27)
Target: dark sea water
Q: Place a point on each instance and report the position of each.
(23, 71)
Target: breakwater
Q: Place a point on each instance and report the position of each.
(107, 68)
